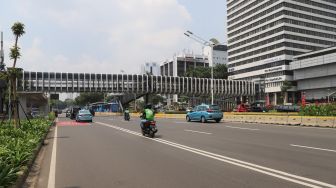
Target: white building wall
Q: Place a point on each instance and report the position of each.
(217, 57)
(151, 67)
(279, 28)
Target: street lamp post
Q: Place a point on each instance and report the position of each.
(329, 94)
(211, 45)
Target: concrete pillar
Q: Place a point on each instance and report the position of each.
(293, 98)
(275, 98)
(23, 101)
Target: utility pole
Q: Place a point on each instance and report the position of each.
(210, 57)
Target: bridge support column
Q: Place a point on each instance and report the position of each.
(146, 98)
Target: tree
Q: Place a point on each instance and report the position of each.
(13, 72)
(85, 98)
(214, 41)
(286, 85)
(156, 99)
(220, 72)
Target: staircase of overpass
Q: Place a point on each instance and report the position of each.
(57, 82)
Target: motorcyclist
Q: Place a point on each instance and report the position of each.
(147, 115)
(126, 114)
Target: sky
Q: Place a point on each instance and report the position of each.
(107, 36)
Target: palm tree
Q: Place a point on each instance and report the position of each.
(18, 31)
(284, 88)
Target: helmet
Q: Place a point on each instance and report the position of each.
(148, 106)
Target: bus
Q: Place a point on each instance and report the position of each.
(105, 107)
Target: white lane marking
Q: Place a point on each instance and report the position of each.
(322, 149)
(196, 131)
(265, 170)
(52, 170)
(242, 128)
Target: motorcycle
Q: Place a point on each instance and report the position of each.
(127, 117)
(149, 129)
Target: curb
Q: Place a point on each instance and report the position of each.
(21, 179)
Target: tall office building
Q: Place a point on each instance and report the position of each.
(216, 55)
(263, 37)
(150, 68)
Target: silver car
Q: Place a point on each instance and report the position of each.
(84, 115)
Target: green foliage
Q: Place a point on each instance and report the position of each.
(14, 53)
(286, 86)
(319, 110)
(85, 98)
(17, 146)
(51, 116)
(18, 29)
(220, 72)
(155, 99)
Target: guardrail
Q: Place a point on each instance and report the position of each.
(281, 118)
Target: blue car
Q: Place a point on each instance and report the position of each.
(84, 115)
(204, 113)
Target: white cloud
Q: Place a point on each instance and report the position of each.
(120, 34)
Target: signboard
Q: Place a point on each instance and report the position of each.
(274, 79)
(275, 69)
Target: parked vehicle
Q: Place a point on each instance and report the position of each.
(84, 115)
(243, 108)
(149, 129)
(287, 108)
(205, 112)
(73, 111)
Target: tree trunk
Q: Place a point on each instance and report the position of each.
(285, 97)
(15, 103)
(15, 59)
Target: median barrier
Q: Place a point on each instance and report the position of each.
(309, 121)
(260, 119)
(325, 121)
(269, 119)
(282, 120)
(294, 120)
(250, 119)
(240, 118)
(175, 116)
(229, 118)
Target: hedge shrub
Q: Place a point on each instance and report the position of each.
(319, 110)
(17, 146)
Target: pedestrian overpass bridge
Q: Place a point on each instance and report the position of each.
(57, 82)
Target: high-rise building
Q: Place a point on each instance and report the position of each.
(181, 63)
(263, 37)
(150, 68)
(218, 54)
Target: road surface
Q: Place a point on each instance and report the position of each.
(110, 152)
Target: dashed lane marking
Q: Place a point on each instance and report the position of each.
(254, 167)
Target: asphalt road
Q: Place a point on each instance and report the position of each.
(111, 153)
